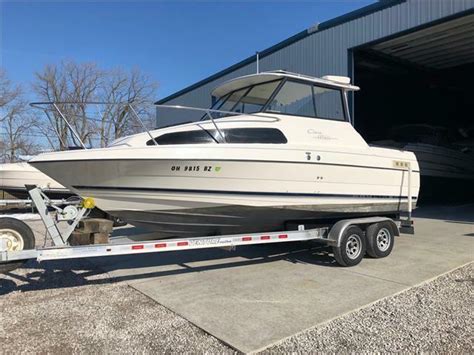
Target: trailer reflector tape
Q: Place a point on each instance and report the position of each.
(156, 246)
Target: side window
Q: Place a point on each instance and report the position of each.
(294, 99)
(255, 135)
(232, 135)
(328, 103)
(187, 137)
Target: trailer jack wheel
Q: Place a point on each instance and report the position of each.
(352, 247)
(15, 235)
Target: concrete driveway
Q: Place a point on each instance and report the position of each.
(253, 297)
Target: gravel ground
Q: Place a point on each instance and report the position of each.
(68, 308)
(434, 317)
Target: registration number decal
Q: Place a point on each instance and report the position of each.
(191, 168)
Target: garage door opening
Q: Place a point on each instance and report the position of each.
(417, 94)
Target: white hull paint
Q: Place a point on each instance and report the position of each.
(14, 177)
(214, 181)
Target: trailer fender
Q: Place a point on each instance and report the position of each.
(338, 229)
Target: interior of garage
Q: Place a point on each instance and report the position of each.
(418, 88)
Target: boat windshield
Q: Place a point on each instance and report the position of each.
(292, 97)
(308, 100)
(247, 100)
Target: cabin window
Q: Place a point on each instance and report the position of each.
(231, 100)
(328, 103)
(254, 135)
(301, 99)
(250, 99)
(232, 135)
(256, 97)
(284, 96)
(293, 99)
(187, 137)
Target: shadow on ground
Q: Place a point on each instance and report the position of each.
(451, 213)
(80, 272)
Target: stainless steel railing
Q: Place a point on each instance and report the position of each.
(55, 106)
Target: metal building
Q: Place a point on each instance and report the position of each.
(412, 59)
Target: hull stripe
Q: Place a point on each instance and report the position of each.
(233, 192)
(225, 160)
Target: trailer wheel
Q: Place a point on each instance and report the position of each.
(18, 236)
(380, 239)
(352, 247)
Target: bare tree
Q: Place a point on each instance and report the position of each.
(18, 138)
(9, 93)
(15, 121)
(84, 83)
(133, 88)
(69, 82)
(51, 86)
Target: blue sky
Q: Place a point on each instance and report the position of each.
(175, 42)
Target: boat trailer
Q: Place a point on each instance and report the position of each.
(350, 239)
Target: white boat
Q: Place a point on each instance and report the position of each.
(438, 155)
(14, 177)
(281, 150)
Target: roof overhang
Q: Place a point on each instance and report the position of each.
(248, 80)
(440, 46)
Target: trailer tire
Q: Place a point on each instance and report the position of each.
(21, 237)
(380, 239)
(352, 247)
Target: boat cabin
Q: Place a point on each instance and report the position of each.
(260, 108)
(285, 93)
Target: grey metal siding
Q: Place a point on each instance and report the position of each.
(325, 51)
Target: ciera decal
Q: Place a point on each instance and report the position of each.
(192, 168)
(320, 135)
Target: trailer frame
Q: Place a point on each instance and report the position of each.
(331, 235)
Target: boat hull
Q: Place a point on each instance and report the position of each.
(236, 219)
(14, 177)
(205, 196)
(21, 193)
